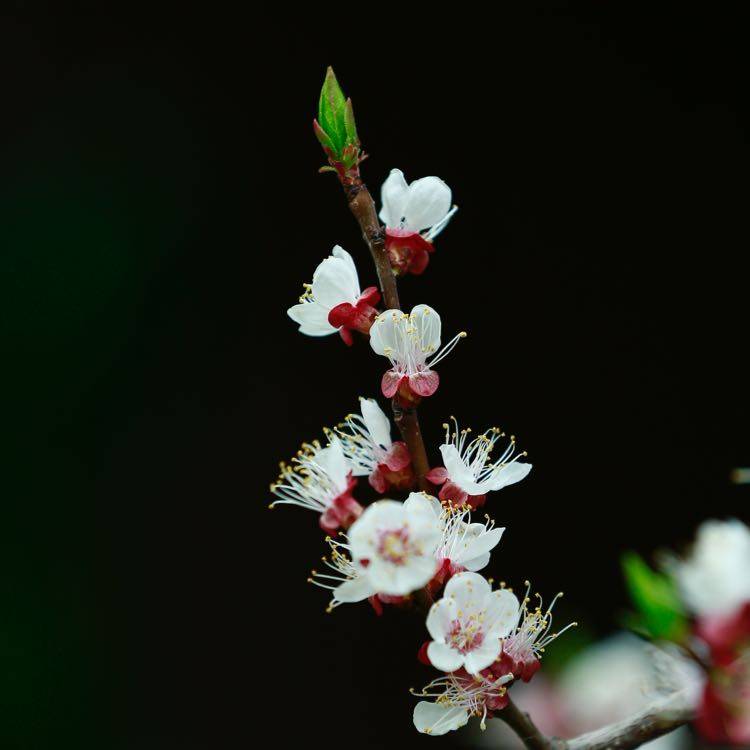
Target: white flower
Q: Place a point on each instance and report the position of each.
(469, 463)
(715, 578)
(319, 480)
(366, 439)
(394, 544)
(412, 345)
(468, 622)
(467, 545)
(457, 697)
(425, 204)
(532, 633)
(347, 583)
(334, 302)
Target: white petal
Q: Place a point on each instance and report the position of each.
(501, 612)
(341, 254)
(376, 422)
(393, 195)
(442, 224)
(477, 541)
(356, 590)
(442, 613)
(457, 470)
(438, 718)
(477, 563)
(312, 319)
(444, 657)
(384, 333)
(468, 589)
(400, 580)
(481, 658)
(365, 531)
(333, 461)
(421, 506)
(428, 202)
(427, 323)
(508, 474)
(335, 281)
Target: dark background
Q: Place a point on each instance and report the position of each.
(160, 209)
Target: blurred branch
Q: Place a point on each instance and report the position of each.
(520, 722)
(661, 718)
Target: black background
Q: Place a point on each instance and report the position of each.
(161, 210)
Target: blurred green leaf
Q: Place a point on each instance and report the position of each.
(660, 613)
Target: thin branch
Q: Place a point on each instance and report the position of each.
(654, 721)
(520, 722)
(661, 718)
(363, 207)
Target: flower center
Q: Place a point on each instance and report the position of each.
(466, 636)
(393, 545)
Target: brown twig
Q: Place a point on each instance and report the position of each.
(363, 207)
(520, 722)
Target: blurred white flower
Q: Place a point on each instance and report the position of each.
(715, 578)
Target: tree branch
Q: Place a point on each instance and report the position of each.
(647, 725)
(363, 207)
(520, 722)
(661, 718)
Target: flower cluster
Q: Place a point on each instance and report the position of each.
(484, 640)
(426, 550)
(712, 608)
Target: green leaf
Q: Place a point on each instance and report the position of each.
(331, 108)
(350, 125)
(322, 137)
(655, 597)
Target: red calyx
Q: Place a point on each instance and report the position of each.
(722, 714)
(452, 493)
(378, 600)
(726, 635)
(444, 572)
(408, 390)
(408, 252)
(395, 472)
(521, 669)
(357, 317)
(343, 511)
